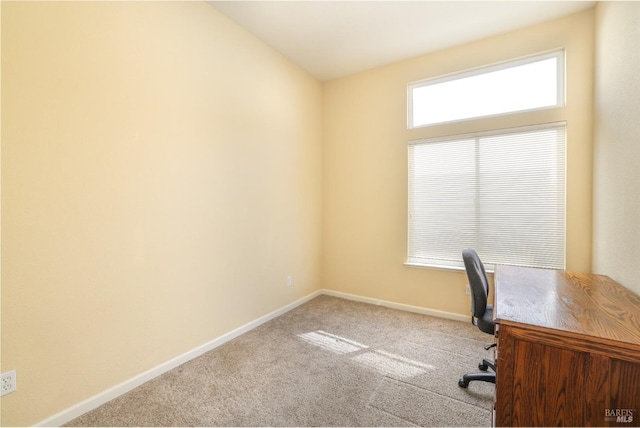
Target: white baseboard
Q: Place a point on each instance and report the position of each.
(400, 306)
(126, 386)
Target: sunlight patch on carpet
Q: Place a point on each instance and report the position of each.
(392, 364)
(332, 342)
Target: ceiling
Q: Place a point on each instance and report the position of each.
(332, 39)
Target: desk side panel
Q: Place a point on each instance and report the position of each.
(504, 377)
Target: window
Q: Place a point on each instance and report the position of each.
(500, 192)
(526, 84)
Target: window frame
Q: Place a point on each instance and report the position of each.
(559, 54)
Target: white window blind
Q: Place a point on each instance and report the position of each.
(501, 192)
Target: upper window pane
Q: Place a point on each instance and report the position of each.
(526, 84)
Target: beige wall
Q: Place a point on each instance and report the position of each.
(617, 143)
(365, 163)
(161, 177)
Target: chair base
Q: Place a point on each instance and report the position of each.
(486, 365)
(483, 377)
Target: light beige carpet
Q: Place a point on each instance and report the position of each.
(329, 362)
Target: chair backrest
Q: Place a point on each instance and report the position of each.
(477, 282)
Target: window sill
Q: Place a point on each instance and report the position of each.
(434, 266)
(488, 268)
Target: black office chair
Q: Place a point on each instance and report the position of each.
(482, 313)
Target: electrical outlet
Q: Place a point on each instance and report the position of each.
(8, 382)
(468, 290)
(289, 281)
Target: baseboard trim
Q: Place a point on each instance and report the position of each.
(97, 400)
(126, 386)
(400, 306)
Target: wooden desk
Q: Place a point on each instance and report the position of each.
(568, 349)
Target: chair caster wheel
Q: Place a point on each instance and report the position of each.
(483, 367)
(462, 383)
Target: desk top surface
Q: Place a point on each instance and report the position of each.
(578, 303)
